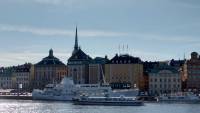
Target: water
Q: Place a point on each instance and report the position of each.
(28, 106)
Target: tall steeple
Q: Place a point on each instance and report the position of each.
(76, 42)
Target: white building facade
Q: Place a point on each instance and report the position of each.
(164, 80)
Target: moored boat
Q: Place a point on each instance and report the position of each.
(67, 90)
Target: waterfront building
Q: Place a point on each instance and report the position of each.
(7, 79)
(49, 70)
(164, 79)
(24, 75)
(124, 71)
(97, 70)
(78, 64)
(191, 71)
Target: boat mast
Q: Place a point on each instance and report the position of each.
(102, 76)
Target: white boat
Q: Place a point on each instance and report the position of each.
(108, 101)
(67, 90)
(180, 97)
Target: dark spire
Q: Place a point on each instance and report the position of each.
(51, 52)
(76, 40)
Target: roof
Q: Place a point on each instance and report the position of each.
(50, 60)
(124, 59)
(100, 60)
(79, 55)
(164, 67)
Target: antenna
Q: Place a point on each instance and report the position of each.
(119, 49)
(127, 48)
(123, 48)
(184, 56)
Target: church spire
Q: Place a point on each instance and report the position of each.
(76, 40)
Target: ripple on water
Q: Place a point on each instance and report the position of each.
(28, 106)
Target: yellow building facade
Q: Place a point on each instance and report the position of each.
(124, 71)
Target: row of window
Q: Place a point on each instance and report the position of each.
(165, 74)
(164, 86)
(5, 78)
(48, 77)
(121, 77)
(165, 80)
(194, 72)
(22, 79)
(193, 77)
(129, 61)
(50, 73)
(24, 74)
(50, 68)
(162, 91)
(8, 83)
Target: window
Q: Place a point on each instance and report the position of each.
(165, 86)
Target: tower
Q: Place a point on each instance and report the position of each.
(51, 52)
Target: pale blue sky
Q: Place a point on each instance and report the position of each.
(153, 29)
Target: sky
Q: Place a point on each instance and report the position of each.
(153, 29)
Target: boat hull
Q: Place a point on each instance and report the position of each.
(53, 98)
(136, 103)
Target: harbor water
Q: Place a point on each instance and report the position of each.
(29, 106)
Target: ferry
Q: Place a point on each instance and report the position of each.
(108, 101)
(67, 90)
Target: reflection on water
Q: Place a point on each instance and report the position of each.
(28, 106)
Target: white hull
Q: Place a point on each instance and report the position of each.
(51, 97)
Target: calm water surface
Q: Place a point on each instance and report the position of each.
(28, 106)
